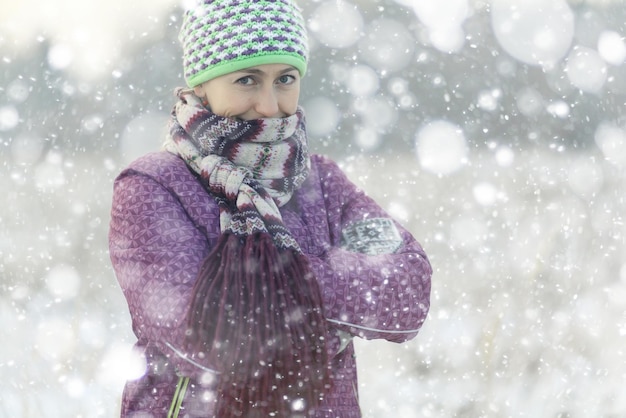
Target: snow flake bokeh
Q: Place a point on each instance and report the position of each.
(494, 130)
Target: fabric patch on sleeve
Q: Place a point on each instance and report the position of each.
(372, 236)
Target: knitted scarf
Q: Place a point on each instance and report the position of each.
(256, 311)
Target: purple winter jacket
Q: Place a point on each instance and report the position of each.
(164, 223)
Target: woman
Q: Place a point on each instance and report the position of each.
(247, 264)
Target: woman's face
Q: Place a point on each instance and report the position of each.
(264, 91)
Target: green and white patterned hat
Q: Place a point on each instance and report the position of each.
(222, 36)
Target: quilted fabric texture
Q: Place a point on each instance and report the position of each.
(163, 224)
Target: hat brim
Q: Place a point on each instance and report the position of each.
(228, 67)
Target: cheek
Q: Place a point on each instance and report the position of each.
(236, 106)
(228, 105)
(290, 102)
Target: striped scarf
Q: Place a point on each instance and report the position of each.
(256, 310)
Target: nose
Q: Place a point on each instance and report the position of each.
(267, 103)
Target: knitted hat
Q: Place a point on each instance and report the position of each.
(222, 36)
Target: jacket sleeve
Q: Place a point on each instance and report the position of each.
(371, 289)
(156, 250)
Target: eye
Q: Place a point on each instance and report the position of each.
(286, 79)
(245, 81)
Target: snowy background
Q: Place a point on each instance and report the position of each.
(494, 130)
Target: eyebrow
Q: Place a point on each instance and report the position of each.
(258, 71)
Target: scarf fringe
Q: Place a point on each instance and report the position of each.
(256, 317)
